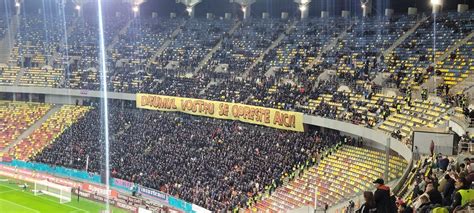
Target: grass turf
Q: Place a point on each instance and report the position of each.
(14, 200)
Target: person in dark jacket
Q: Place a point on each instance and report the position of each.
(434, 194)
(369, 205)
(404, 208)
(425, 205)
(382, 197)
(448, 190)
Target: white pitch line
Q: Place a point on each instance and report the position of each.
(20, 205)
(13, 189)
(44, 198)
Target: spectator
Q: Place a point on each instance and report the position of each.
(382, 196)
(463, 194)
(213, 163)
(433, 194)
(424, 205)
(369, 205)
(448, 190)
(404, 208)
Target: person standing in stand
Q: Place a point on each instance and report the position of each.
(382, 197)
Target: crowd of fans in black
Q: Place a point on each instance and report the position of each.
(217, 164)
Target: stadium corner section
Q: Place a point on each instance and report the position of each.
(90, 191)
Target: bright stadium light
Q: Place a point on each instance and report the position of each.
(303, 7)
(363, 6)
(189, 9)
(17, 4)
(436, 2)
(78, 7)
(135, 9)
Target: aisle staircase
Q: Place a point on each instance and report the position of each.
(432, 84)
(32, 128)
(347, 172)
(19, 75)
(274, 44)
(6, 44)
(166, 44)
(404, 37)
(116, 38)
(466, 86)
(204, 61)
(331, 45)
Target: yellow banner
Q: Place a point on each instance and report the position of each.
(217, 109)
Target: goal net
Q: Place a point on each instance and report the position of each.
(54, 190)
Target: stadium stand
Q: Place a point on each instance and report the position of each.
(3, 26)
(8, 74)
(222, 184)
(197, 38)
(240, 50)
(458, 66)
(42, 77)
(349, 170)
(223, 165)
(416, 114)
(52, 128)
(16, 117)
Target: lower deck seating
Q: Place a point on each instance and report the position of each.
(48, 132)
(345, 173)
(16, 117)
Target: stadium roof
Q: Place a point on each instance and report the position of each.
(274, 7)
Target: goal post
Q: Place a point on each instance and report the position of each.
(54, 190)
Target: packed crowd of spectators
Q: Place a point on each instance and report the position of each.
(164, 57)
(217, 164)
(440, 185)
(443, 186)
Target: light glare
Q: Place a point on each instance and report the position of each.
(303, 7)
(436, 2)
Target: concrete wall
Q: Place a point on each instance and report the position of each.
(64, 96)
(378, 138)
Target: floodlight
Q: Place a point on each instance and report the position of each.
(135, 9)
(436, 2)
(78, 7)
(189, 9)
(303, 7)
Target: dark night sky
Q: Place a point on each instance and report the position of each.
(275, 7)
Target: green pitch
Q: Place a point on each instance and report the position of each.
(14, 200)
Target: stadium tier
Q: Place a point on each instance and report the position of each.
(52, 128)
(8, 74)
(16, 117)
(349, 170)
(387, 76)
